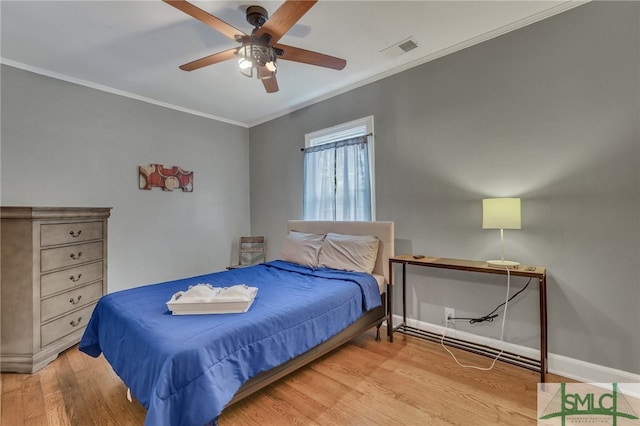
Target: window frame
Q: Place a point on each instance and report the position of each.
(359, 127)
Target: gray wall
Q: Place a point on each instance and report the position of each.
(69, 145)
(549, 113)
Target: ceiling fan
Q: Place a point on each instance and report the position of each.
(259, 51)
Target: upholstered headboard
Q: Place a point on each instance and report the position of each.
(382, 230)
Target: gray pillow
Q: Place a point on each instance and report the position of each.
(349, 252)
(302, 248)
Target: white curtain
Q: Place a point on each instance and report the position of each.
(337, 183)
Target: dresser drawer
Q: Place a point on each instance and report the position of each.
(64, 233)
(71, 255)
(67, 324)
(67, 301)
(56, 282)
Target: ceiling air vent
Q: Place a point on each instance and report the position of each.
(400, 48)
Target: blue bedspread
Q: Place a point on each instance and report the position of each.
(185, 369)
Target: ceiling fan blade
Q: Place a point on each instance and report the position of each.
(206, 18)
(270, 84)
(264, 73)
(210, 60)
(309, 57)
(284, 18)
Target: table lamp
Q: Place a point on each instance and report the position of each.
(501, 213)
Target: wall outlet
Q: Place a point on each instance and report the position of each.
(449, 313)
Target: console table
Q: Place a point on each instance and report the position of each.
(535, 272)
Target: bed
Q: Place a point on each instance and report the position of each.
(186, 369)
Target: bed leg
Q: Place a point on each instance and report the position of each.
(378, 332)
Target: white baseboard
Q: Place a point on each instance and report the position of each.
(558, 364)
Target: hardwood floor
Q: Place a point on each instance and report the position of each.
(408, 382)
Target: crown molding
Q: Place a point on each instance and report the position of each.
(113, 91)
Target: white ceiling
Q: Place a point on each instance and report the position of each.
(134, 48)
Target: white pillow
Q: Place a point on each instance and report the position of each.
(302, 248)
(349, 252)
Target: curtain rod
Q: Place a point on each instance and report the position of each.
(361, 136)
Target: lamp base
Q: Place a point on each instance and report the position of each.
(503, 264)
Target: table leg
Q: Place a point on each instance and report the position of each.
(390, 303)
(404, 294)
(543, 328)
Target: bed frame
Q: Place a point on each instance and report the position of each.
(372, 318)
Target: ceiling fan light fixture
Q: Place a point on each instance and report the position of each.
(244, 64)
(271, 66)
(254, 55)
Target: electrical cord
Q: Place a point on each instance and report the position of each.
(491, 315)
(504, 317)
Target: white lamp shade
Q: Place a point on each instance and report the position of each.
(501, 213)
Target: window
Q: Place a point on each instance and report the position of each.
(339, 172)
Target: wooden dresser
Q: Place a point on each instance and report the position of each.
(53, 271)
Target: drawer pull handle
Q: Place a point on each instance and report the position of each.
(76, 301)
(73, 323)
(75, 280)
(75, 234)
(73, 256)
